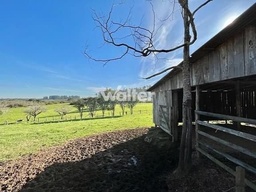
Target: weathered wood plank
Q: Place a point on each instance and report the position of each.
(230, 131)
(238, 104)
(223, 62)
(154, 109)
(238, 56)
(230, 56)
(197, 115)
(165, 116)
(197, 73)
(240, 179)
(206, 70)
(228, 169)
(214, 66)
(230, 158)
(228, 144)
(227, 117)
(250, 50)
(174, 116)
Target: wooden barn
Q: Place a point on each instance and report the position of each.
(223, 79)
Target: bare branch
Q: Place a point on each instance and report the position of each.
(105, 61)
(142, 37)
(156, 74)
(197, 9)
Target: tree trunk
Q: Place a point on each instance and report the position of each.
(186, 137)
(81, 114)
(28, 118)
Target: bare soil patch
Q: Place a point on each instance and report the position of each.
(113, 162)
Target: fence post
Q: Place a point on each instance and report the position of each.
(197, 118)
(240, 177)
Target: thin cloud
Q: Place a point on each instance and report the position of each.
(63, 90)
(96, 89)
(167, 35)
(139, 84)
(67, 78)
(38, 67)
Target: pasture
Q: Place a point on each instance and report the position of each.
(18, 139)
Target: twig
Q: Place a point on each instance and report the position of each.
(156, 74)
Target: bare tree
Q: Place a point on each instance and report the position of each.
(62, 111)
(80, 104)
(112, 106)
(122, 104)
(144, 46)
(34, 111)
(111, 101)
(102, 104)
(3, 109)
(91, 103)
(131, 104)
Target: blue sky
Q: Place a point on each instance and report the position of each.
(42, 43)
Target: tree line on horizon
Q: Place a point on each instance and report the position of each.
(88, 104)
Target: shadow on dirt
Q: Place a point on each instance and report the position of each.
(132, 165)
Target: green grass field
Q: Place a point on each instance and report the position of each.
(25, 138)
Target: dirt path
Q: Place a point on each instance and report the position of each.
(114, 162)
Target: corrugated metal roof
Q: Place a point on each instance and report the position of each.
(245, 19)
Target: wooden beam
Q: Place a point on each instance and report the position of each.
(230, 131)
(164, 114)
(174, 116)
(197, 116)
(230, 158)
(240, 177)
(229, 144)
(227, 117)
(228, 169)
(222, 165)
(238, 104)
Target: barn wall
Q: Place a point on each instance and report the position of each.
(232, 59)
(225, 62)
(250, 51)
(162, 103)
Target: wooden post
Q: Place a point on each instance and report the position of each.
(174, 116)
(240, 178)
(197, 117)
(238, 104)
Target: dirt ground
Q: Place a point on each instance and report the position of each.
(114, 162)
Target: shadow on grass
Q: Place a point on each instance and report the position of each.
(9, 123)
(58, 116)
(131, 166)
(74, 112)
(74, 120)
